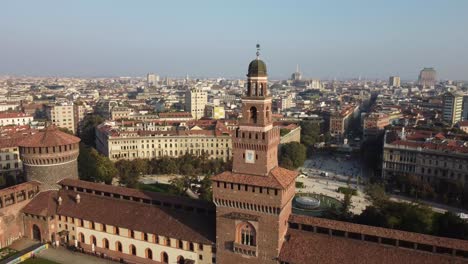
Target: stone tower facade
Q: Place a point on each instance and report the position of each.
(254, 199)
(49, 156)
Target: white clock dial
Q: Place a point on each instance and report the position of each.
(250, 156)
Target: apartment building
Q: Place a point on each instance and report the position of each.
(195, 102)
(119, 142)
(429, 156)
(62, 115)
(15, 119)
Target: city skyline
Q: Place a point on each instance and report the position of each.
(328, 40)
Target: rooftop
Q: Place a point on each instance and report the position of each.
(49, 137)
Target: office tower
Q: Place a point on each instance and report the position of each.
(195, 102)
(427, 77)
(394, 81)
(152, 79)
(453, 104)
(296, 76)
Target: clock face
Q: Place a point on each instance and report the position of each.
(250, 156)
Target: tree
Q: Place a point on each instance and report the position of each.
(88, 130)
(292, 155)
(450, 225)
(95, 167)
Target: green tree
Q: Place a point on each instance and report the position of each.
(95, 167)
(292, 155)
(88, 130)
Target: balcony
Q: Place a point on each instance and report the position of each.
(244, 249)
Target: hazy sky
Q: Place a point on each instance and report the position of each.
(342, 39)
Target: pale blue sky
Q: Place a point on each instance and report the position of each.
(342, 39)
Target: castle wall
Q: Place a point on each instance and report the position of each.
(50, 174)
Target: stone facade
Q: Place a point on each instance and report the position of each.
(49, 175)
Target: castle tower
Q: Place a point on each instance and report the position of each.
(49, 156)
(254, 199)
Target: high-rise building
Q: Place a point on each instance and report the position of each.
(296, 76)
(62, 115)
(427, 77)
(152, 79)
(195, 102)
(453, 103)
(251, 225)
(394, 81)
(465, 108)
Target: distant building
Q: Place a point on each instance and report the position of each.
(465, 108)
(394, 81)
(62, 115)
(15, 118)
(453, 104)
(427, 77)
(152, 79)
(164, 140)
(195, 102)
(296, 76)
(427, 156)
(215, 112)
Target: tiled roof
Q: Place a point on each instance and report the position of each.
(49, 137)
(303, 247)
(136, 216)
(13, 115)
(278, 178)
(380, 231)
(137, 193)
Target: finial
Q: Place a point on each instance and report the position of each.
(258, 50)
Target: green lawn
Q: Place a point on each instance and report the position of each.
(38, 261)
(156, 187)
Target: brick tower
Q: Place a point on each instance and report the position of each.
(253, 201)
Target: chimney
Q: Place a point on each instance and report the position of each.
(59, 200)
(78, 198)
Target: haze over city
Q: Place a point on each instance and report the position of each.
(328, 39)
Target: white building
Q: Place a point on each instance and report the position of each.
(195, 102)
(62, 115)
(15, 118)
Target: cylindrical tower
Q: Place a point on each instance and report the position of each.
(49, 156)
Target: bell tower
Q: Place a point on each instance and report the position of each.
(255, 141)
(253, 201)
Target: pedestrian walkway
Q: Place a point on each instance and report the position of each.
(62, 255)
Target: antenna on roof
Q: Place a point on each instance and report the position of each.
(258, 50)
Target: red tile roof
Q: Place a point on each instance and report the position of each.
(49, 137)
(278, 178)
(304, 247)
(136, 216)
(380, 231)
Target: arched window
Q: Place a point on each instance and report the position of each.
(81, 237)
(164, 257)
(132, 250)
(180, 244)
(191, 247)
(180, 260)
(245, 234)
(92, 239)
(105, 243)
(253, 114)
(149, 253)
(118, 246)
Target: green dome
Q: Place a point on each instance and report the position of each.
(257, 68)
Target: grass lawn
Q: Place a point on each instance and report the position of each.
(156, 187)
(38, 261)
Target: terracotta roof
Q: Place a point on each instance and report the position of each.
(136, 216)
(278, 178)
(14, 115)
(303, 247)
(49, 137)
(43, 204)
(380, 231)
(138, 193)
